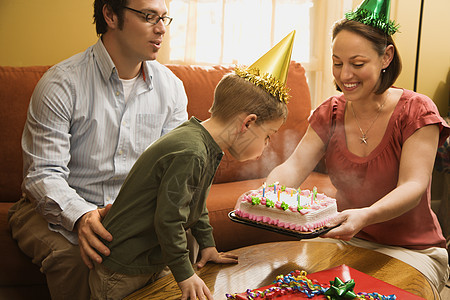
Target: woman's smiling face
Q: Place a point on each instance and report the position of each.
(357, 66)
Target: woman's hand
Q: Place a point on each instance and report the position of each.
(350, 222)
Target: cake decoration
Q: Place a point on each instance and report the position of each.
(297, 282)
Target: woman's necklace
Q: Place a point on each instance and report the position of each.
(364, 137)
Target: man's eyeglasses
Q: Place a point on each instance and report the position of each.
(153, 18)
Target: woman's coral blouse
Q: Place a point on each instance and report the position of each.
(361, 181)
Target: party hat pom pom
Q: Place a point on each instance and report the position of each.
(374, 13)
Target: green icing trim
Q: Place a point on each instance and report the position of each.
(270, 203)
(256, 200)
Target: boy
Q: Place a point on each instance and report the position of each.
(165, 192)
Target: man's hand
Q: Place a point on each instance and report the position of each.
(88, 228)
(211, 254)
(193, 288)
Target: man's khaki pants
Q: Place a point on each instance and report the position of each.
(58, 259)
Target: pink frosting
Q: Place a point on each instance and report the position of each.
(268, 220)
(305, 193)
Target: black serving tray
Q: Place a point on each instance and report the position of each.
(297, 234)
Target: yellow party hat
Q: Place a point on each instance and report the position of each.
(270, 71)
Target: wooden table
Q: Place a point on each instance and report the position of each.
(260, 264)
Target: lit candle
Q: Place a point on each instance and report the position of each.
(314, 194)
(264, 189)
(279, 192)
(298, 199)
(275, 188)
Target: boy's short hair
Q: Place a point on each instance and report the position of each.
(234, 95)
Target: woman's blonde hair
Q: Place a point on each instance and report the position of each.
(235, 95)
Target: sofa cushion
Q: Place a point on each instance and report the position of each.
(13, 109)
(282, 143)
(16, 267)
(16, 86)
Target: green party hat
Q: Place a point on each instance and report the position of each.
(374, 13)
(270, 71)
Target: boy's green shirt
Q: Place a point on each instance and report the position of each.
(163, 195)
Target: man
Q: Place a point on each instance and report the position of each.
(90, 117)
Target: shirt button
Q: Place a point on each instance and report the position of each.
(117, 93)
(120, 152)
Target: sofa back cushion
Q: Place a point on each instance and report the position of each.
(200, 82)
(16, 86)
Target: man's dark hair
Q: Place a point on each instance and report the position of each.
(99, 20)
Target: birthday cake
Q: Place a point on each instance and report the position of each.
(287, 208)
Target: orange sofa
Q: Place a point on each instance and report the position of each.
(21, 279)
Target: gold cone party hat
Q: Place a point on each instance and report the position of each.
(270, 71)
(374, 13)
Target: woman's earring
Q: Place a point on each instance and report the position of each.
(384, 71)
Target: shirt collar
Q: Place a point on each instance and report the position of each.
(107, 67)
(103, 59)
(147, 73)
(216, 151)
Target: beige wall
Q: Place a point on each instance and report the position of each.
(44, 32)
(48, 31)
(434, 61)
(433, 77)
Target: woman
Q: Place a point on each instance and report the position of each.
(379, 144)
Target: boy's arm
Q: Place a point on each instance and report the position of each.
(177, 187)
(203, 231)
